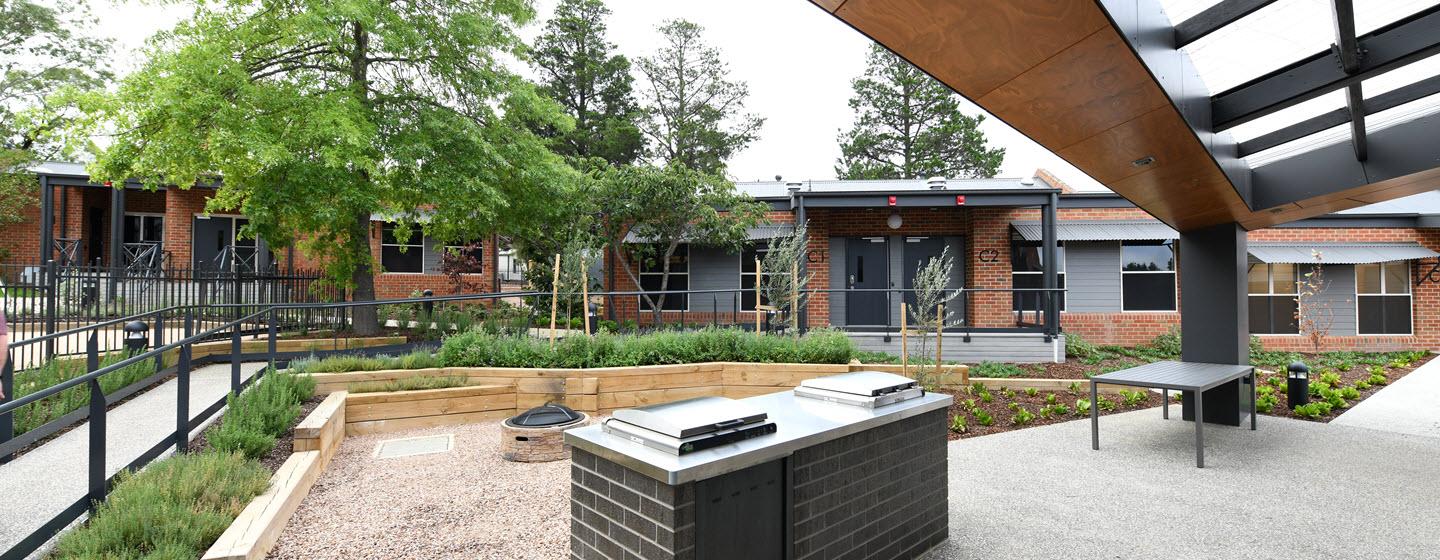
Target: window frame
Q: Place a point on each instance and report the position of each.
(1409, 295)
(478, 248)
(1064, 255)
(640, 274)
(1271, 293)
(416, 243)
(144, 228)
(1174, 273)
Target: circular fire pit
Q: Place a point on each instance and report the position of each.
(534, 436)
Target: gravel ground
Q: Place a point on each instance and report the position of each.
(467, 503)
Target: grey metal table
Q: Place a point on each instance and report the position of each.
(1195, 377)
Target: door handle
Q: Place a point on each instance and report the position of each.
(852, 281)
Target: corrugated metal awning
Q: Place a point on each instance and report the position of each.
(757, 233)
(1099, 230)
(1338, 253)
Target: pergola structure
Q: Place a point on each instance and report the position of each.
(1106, 85)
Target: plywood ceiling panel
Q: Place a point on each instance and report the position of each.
(828, 5)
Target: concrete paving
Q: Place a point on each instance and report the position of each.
(1410, 405)
(1293, 489)
(41, 483)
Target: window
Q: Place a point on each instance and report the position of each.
(1147, 276)
(466, 258)
(652, 274)
(1027, 270)
(747, 275)
(407, 257)
(1382, 297)
(144, 228)
(1273, 306)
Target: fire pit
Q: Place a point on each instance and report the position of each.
(534, 436)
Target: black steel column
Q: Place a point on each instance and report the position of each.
(1215, 312)
(1051, 278)
(117, 227)
(47, 220)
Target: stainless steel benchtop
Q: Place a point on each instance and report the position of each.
(801, 423)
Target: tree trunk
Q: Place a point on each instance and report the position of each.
(366, 318)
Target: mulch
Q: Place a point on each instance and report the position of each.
(1347, 378)
(999, 409)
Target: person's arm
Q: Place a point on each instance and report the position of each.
(4, 351)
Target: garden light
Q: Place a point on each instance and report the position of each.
(137, 336)
(1298, 384)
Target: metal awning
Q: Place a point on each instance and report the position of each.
(757, 233)
(1338, 253)
(1100, 230)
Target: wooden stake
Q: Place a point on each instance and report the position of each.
(795, 299)
(758, 278)
(939, 336)
(904, 342)
(554, 300)
(585, 293)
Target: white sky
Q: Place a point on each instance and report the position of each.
(799, 60)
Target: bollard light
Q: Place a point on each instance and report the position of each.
(1297, 384)
(593, 310)
(137, 336)
(429, 306)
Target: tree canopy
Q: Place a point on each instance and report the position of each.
(908, 125)
(44, 55)
(318, 114)
(694, 112)
(579, 68)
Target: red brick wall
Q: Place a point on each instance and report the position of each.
(181, 206)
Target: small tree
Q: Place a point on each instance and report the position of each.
(1313, 313)
(780, 286)
(932, 281)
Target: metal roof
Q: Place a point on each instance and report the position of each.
(60, 168)
(757, 233)
(1099, 230)
(780, 189)
(1338, 253)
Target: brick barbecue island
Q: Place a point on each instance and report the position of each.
(816, 478)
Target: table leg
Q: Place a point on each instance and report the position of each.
(1165, 403)
(1253, 390)
(1199, 429)
(1094, 418)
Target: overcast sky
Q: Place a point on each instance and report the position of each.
(799, 60)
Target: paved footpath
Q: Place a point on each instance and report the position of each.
(1410, 405)
(41, 483)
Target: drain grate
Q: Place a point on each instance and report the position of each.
(424, 445)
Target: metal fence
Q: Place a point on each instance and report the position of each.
(41, 300)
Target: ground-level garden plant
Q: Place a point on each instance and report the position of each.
(981, 410)
(477, 348)
(177, 507)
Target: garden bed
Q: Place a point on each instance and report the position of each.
(1008, 409)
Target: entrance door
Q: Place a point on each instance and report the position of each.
(210, 237)
(865, 268)
(95, 225)
(917, 252)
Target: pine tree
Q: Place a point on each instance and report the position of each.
(579, 68)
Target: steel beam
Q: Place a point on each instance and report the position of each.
(1385, 101)
(1348, 51)
(1386, 49)
(1215, 17)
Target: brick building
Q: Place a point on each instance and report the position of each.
(1116, 263)
(172, 228)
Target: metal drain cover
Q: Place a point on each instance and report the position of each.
(424, 445)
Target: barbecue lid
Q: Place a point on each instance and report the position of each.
(546, 415)
(864, 383)
(691, 417)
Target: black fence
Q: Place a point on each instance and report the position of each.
(45, 299)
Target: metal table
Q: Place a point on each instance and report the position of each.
(1195, 377)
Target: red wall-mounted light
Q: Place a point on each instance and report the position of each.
(892, 200)
(959, 200)
(109, 184)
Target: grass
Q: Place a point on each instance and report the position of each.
(419, 359)
(55, 372)
(175, 508)
(481, 349)
(415, 383)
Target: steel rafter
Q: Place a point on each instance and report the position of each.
(1347, 49)
(1215, 17)
(1385, 101)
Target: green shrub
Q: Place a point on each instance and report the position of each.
(1082, 406)
(1074, 387)
(1362, 385)
(1022, 416)
(480, 349)
(1105, 404)
(984, 418)
(1266, 403)
(419, 359)
(996, 370)
(957, 424)
(1167, 344)
(1050, 399)
(260, 414)
(1031, 391)
(175, 508)
(985, 396)
(1313, 410)
(413, 383)
(1330, 378)
(1349, 393)
(1077, 347)
(1132, 398)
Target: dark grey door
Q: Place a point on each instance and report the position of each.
(741, 514)
(209, 238)
(917, 251)
(866, 269)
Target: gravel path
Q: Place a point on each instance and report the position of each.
(467, 503)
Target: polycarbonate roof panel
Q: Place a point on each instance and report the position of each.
(1338, 253)
(1099, 230)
